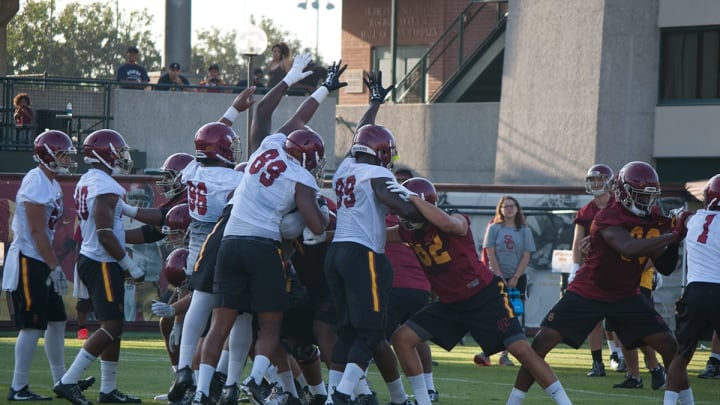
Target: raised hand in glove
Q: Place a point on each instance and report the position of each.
(679, 217)
(295, 74)
(332, 82)
(174, 337)
(374, 83)
(58, 280)
(162, 309)
(310, 238)
(400, 190)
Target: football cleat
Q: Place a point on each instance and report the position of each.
(24, 394)
(617, 363)
(201, 399)
(82, 334)
(630, 382)
(597, 370)
(216, 386)
(230, 394)
(505, 360)
(434, 395)
(481, 359)
(367, 399)
(658, 378)
(117, 397)
(183, 381)
(253, 391)
(711, 371)
(71, 392)
(338, 398)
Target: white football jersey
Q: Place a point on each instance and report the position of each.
(267, 191)
(208, 188)
(360, 215)
(91, 185)
(703, 247)
(36, 188)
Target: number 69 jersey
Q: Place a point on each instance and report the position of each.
(91, 185)
(267, 191)
(360, 215)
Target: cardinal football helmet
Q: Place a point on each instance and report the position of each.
(177, 222)
(423, 188)
(172, 185)
(711, 194)
(174, 267)
(598, 179)
(54, 150)
(308, 148)
(375, 140)
(107, 147)
(638, 187)
(218, 141)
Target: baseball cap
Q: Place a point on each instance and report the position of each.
(132, 49)
(214, 66)
(174, 66)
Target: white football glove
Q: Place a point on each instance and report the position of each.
(136, 273)
(400, 190)
(162, 309)
(309, 238)
(295, 74)
(174, 337)
(58, 280)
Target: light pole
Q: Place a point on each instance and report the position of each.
(251, 41)
(316, 5)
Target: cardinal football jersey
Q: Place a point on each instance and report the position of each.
(36, 188)
(91, 185)
(267, 190)
(208, 188)
(360, 215)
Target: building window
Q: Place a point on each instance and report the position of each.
(690, 64)
(406, 57)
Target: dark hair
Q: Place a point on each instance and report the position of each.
(519, 216)
(284, 49)
(20, 96)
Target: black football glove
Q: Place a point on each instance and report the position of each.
(332, 82)
(374, 83)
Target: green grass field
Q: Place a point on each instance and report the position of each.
(144, 371)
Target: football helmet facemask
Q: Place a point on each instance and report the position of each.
(375, 140)
(54, 150)
(638, 187)
(177, 222)
(218, 141)
(107, 147)
(598, 179)
(171, 184)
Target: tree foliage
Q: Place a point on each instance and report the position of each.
(79, 41)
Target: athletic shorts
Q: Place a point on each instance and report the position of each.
(199, 231)
(360, 281)
(403, 303)
(695, 311)
(35, 302)
(487, 316)
(203, 271)
(84, 305)
(105, 282)
(250, 276)
(632, 319)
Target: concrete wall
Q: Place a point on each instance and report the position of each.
(673, 13)
(684, 131)
(579, 87)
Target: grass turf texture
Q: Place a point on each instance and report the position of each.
(144, 371)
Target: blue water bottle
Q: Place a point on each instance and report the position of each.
(515, 301)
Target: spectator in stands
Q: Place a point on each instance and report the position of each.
(172, 80)
(258, 80)
(24, 117)
(213, 79)
(131, 75)
(280, 63)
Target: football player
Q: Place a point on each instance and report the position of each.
(697, 308)
(623, 236)
(32, 270)
(470, 297)
(103, 264)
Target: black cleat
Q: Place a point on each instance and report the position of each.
(597, 370)
(117, 397)
(317, 399)
(338, 398)
(230, 394)
(86, 383)
(216, 386)
(71, 392)
(711, 371)
(434, 395)
(183, 381)
(202, 399)
(367, 399)
(253, 391)
(658, 378)
(24, 394)
(630, 382)
(617, 363)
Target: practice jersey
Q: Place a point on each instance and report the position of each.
(208, 188)
(586, 214)
(407, 272)
(36, 188)
(450, 261)
(702, 245)
(91, 185)
(267, 190)
(360, 215)
(606, 275)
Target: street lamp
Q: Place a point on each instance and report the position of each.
(251, 41)
(316, 5)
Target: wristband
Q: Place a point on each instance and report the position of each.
(320, 94)
(231, 114)
(128, 210)
(129, 265)
(126, 263)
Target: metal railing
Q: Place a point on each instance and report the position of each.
(467, 33)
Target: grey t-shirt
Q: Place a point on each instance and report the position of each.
(510, 243)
